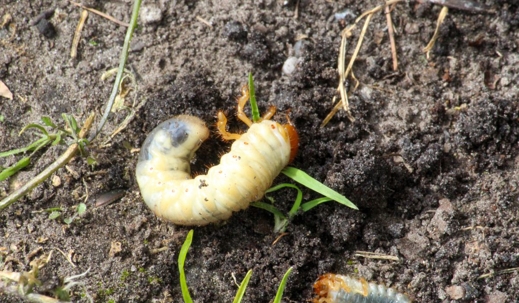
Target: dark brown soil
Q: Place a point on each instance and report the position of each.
(431, 159)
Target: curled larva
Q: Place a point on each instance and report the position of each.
(243, 175)
(332, 288)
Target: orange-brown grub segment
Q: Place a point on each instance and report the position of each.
(294, 140)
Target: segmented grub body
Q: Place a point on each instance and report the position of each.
(243, 175)
(332, 288)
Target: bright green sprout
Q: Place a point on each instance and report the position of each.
(242, 288)
(252, 99)
(181, 260)
(55, 212)
(281, 288)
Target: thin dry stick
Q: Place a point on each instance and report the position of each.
(441, 18)
(391, 34)
(204, 21)
(77, 33)
(372, 255)
(45, 174)
(500, 272)
(343, 75)
(332, 112)
(296, 12)
(100, 14)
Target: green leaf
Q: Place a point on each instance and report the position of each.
(52, 209)
(34, 125)
(57, 140)
(268, 207)
(280, 220)
(13, 152)
(281, 289)
(311, 204)
(303, 178)
(81, 208)
(13, 169)
(297, 202)
(47, 121)
(68, 220)
(73, 124)
(181, 260)
(243, 287)
(252, 99)
(54, 215)
(91, 161)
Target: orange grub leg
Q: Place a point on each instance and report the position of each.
(221, 125)
(241, 104)
(269, 113)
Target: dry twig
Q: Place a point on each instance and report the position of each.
(441, 18)
(391, 34)
(100, 14)
(77, 33)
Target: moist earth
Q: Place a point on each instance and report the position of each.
(431, 159)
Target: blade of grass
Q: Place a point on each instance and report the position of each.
(311, 204)
(34, 125)
(281, 289)
(47, 121)
(303, 178)
(181, 260)
(269, 208)
(299, 198)
(120, 71)
(29, 147)
(11, 170)
(243, 288)
(252, 99)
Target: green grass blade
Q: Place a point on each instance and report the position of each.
(297, 202)
(34, 125)
(311, 204)
(269, 208)
(13, 169)
(243, 288)
(181, 260)
(47, 121)
(13, 152)
(281, 289)
(120, 69)
(252, 98)
(303, 178)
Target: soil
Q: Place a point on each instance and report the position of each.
(431, 159)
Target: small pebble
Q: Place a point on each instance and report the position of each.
(56, 181)
(455, 292)
(150, 14)
(290, 65)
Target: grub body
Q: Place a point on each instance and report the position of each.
(243, 175)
